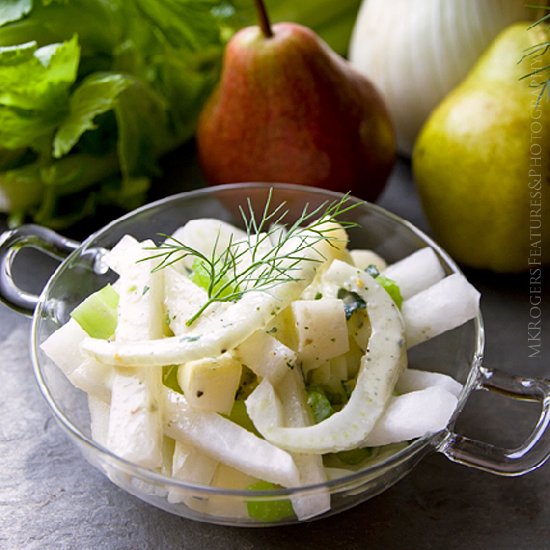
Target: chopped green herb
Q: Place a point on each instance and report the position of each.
(352, 301)
(372, 270)
(189, 338)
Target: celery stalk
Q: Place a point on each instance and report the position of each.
(97, 314)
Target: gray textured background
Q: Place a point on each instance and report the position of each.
(51, 498)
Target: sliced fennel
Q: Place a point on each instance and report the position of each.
(225, 324)
(383, 362)
(227, 442)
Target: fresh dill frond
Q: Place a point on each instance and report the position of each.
(539, 50)
(264, 258)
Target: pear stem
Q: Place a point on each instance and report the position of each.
(263, 18)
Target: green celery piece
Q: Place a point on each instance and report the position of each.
(199, 274)
(319, 404)
(170, 378)
(268, 510)
(97, 314)
(201, 277)
(391, 287)
(239, 415)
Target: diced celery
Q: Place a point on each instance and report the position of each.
(239, 415)
(268, 510)
(170, 377)
(319, 403)
(201, 276)
(97, 314)
(390, 286)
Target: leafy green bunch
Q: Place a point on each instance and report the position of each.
(93, 92)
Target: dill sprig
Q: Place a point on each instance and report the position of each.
(539, 50)
(264, 258)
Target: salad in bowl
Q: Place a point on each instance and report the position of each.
(258, 354)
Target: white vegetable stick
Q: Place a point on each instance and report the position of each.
(193, 466)
(96, 379)
(123, 253)
(99, 419)
(266, 356)
(135, 423)
(416, 272)
(210, 384)
(448, 304)
(135, 429)
(182, 299)
(380, 367)
(363, 258)
(321, 330)
(203, 235)
(227, 442)
(63, 346)
(295, 412)
(412, 380)
(413, 415)
(222, 326)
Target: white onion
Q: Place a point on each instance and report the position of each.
(416, 52)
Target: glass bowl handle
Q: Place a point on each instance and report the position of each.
(532, 453)
(11, 242)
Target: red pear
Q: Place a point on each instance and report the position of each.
(288, 109)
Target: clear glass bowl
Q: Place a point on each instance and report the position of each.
(457, 353)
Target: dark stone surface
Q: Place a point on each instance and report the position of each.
(51, 498)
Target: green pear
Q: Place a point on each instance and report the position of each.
(288, 109)
(481, 161)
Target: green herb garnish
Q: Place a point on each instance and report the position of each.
(248, 264)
